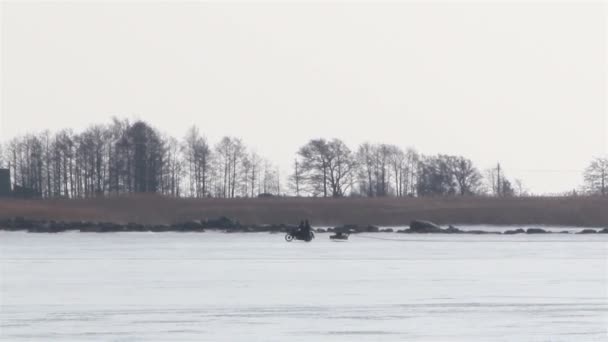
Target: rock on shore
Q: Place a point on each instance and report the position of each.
(353, 228)
(587, 231)
(418, 226)
(230, 226)
(536, 231)
(516, 231)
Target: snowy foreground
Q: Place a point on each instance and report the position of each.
(257, 287)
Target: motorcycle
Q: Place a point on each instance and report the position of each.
(296, 235)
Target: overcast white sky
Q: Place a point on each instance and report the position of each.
(519, 83)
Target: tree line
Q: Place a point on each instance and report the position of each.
(125, 157)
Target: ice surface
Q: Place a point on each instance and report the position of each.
(257, 287)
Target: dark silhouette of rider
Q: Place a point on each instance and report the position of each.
(304, 229)
(307, 229)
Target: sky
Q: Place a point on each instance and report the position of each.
(519, 83)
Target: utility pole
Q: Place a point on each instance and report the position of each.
(278, 182)
(297, 179)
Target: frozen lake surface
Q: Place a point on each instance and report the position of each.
(257, 287)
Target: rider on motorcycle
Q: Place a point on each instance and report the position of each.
(304, 232)
(304, 229)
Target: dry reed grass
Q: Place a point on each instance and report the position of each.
(152, 209)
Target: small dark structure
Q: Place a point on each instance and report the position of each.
(5, 182)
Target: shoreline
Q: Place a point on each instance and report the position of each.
(226, 225)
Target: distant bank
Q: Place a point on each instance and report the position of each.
(152, 209)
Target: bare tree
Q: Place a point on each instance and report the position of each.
(341, 165)
(397, 160)
(435, 177)
(596, 176)
(490, 181)
(189, 148)
(198, 160)
(382, 173)
(365, 160)
(295, 179)
(385, 170)
(125, 157)
(315, 165)
(327, 166)
(254, 171)
(497, 182)
(174, 168)
(230, 154)
(237, 156)
(521, 189)
(270, 183)
(412, 165)
(467, 176)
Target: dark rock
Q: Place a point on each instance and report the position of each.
(603, 231)
(47, 227)
(372, 229)
(453, 230)
(92, 229)
(5, 224)
(587, 231)
(190, 226)
(564, 232)
(262, 228)
(536, 231)
(288, 228)
(320, 230)
(101, 227)
(387, 230)
(59, 226)
(87, 224)
(516, 231)
(418, 226)
(222, 223)
(272, 228)
(479, 232)
(22, 223)
(160, 228)
(135, 227)
(347, 228)
(73, 225)
(406, 231)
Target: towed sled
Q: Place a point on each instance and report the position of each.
(339, 236)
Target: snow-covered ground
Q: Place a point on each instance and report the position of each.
(257, 287)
